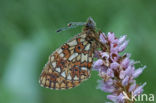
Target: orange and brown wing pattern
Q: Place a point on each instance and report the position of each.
(69, 65)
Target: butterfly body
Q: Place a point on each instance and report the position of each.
(71, 64)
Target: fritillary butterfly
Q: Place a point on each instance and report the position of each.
(71, 64)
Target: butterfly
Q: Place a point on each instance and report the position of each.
(71, 64)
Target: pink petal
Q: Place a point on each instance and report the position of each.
(111, 37)
(123, 46)
(138, 72)
(102, 38)
(125, 62)
(112, 97)
(122, 39)
(97, 64)
(114, 65)
(122, 74)
(105, 86)
(125, 81)
(129, 71)
(139, 89)
(132, 87)
(105, 54)
(110, 72)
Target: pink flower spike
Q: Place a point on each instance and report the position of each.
(116, 71)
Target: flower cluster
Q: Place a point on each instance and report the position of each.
(118, 73)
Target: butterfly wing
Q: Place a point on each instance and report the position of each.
(69, 65)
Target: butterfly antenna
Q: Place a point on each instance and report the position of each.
(71, 25)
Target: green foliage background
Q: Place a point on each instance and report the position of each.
(28, 36)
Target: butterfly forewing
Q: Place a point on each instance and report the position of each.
(69, 65)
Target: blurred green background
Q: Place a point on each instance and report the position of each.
(28, 36)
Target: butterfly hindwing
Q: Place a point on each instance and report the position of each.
(69, 65)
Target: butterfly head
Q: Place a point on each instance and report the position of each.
(90, 24)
